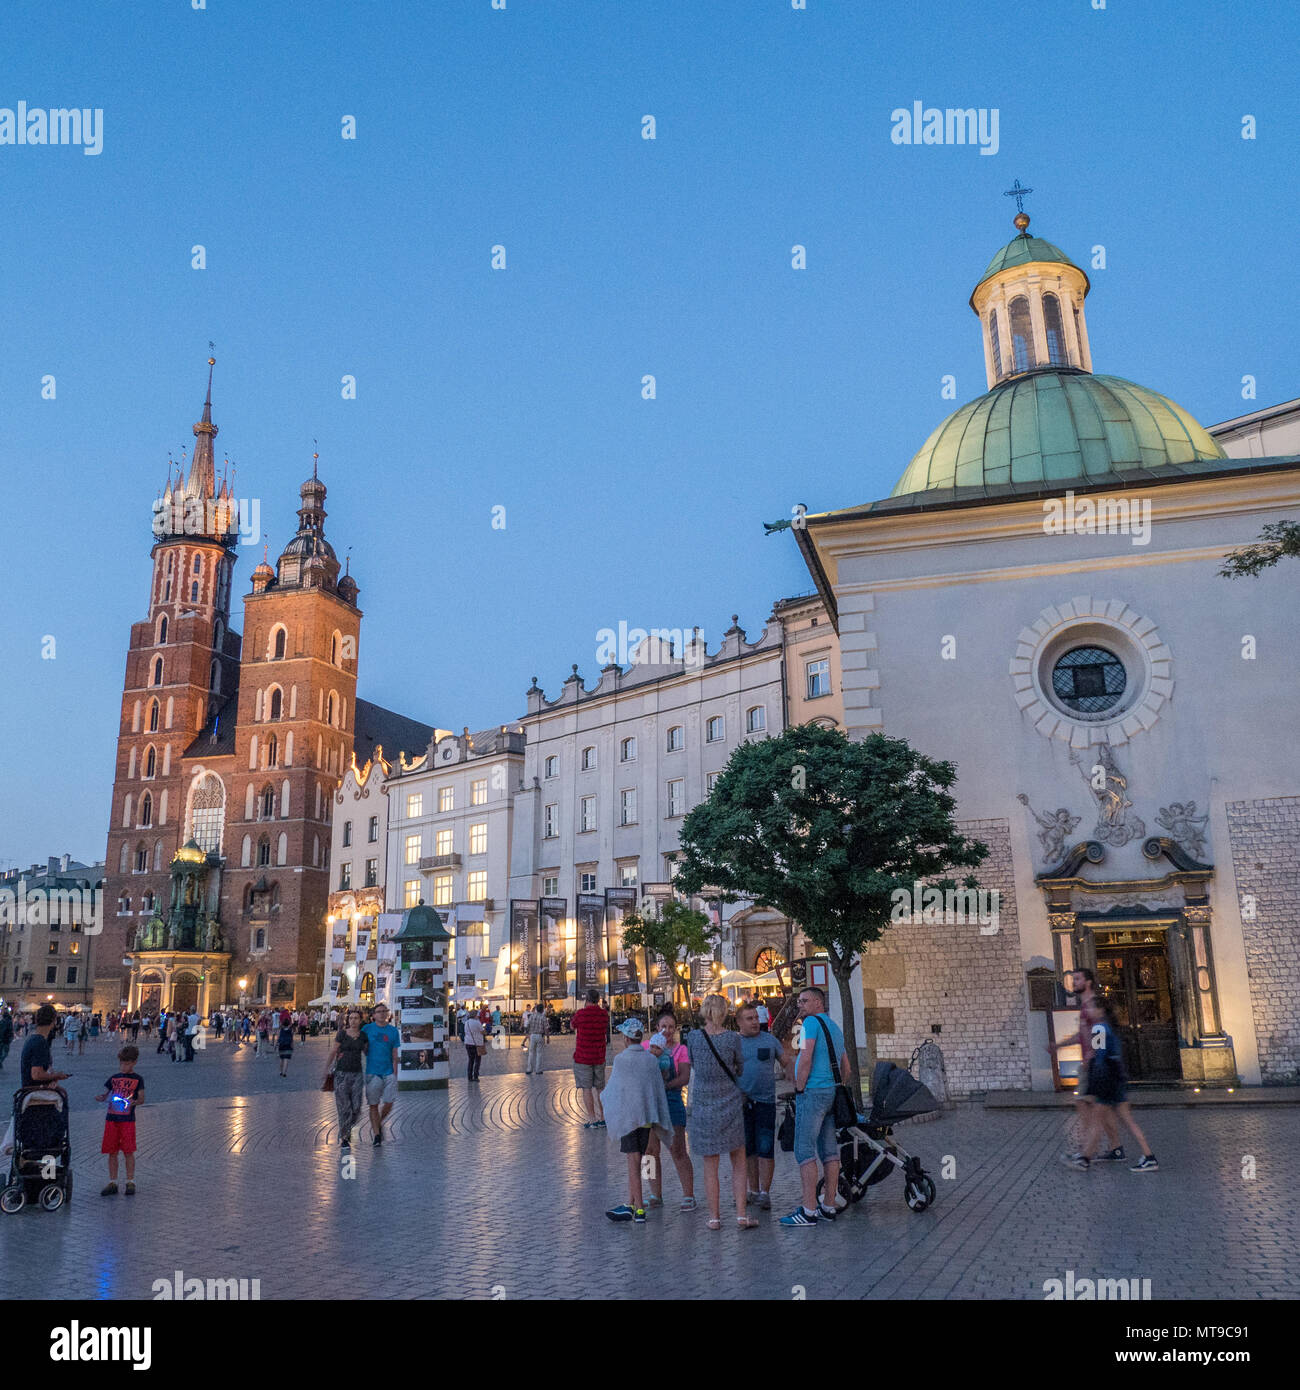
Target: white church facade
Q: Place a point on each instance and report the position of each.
(1039, 601)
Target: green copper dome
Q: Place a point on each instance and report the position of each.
(1056, 426)
(1022, 249)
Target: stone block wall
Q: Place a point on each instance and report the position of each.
(1265, 839)
(971, 984)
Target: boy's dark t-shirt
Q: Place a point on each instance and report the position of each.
(36, 1053)
(124, 1089)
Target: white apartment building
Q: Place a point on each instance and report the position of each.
(610, 772)
(449, 840)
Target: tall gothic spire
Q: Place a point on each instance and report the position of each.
(202, 481)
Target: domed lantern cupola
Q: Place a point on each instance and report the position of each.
(1030, 305)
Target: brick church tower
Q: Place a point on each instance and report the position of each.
(181, 661)
(293, 740)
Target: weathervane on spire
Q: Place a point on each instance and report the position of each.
(1021, 218)
(314, 457)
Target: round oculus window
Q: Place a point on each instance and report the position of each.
(1089, 680)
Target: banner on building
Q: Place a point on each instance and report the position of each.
(702, 976)
(623, 975)
(589, 947)
(524, 947)
(555, 979)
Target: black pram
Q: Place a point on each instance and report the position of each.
(868, 1153)
(40, 1168)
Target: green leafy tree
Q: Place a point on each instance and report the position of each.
(676, 932)
(827, 830)
(1278, 538)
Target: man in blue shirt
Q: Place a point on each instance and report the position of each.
(822, 1063)
(762, 1052)
(384, 1045)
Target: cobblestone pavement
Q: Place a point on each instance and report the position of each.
(499, 1191)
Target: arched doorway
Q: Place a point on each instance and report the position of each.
(185, 991)
(768, 958)
(150, 994)
(367, 991)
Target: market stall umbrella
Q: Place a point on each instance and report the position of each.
(734, 980)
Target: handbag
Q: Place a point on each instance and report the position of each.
(328, 1084)
(785, 1135)
(481, 1049)
(749, 1104)
(844, 1110)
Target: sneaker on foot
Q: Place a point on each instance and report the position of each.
(377, 1139)
(1146, 1164)
(825, 1213)
(764, 1202)
(110, 1190)
(639, 1216)
(1113, 1156)
(1079, 1162)
(621, 1213)
(799, 1217)
(130, 1189)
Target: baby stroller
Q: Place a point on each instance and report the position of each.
(40, 1168)
(868, 1153)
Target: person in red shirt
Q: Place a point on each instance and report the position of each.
(591, 1029)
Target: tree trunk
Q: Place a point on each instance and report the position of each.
(843, 972)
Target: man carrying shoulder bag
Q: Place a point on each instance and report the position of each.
(819, 1073)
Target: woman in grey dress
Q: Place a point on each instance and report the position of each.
(716, 1121)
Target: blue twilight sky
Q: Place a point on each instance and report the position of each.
(522, 388)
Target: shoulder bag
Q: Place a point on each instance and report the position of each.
(749, 1104)
(844, 1110)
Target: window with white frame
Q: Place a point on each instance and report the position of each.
(715, 730)
(413, 849)
(374, 829)
(627, 875)
(587, 814)
(627, 750)
(627, 806)
(819, 677)
(478, 837)
(478, 792)
(476, 886)
(345, 876)
(446, 798)
(550, 885)
(347, 833)
(411, 893)
(550, 821)
(444, 840)
(442, 890)
(372, 873)
(588, 759)
(676, 797)
(551, 767)
(414, 805)
(676, 739)
(710, 781)
(587, 883)
(756, 720)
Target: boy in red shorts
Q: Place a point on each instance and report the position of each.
(123, 1091)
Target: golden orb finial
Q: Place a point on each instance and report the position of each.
(1021, 219)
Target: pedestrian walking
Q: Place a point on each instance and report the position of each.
(1083, 984)
(764, 1017)
(763, 1053)
(191, 1032)
(537, 1032)
(822, 1062)
(135, 1026)
(635, 1107)
(675, 1066)
(591, 1031)
(263, 1034)
(6, 1034)
(346, 1062)
(383, 1047)
(475, 1045)
(1108, 1087)
(717, 1115)
(303, 1023)
(284, 1046)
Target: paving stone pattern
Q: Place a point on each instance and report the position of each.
(497, 1190)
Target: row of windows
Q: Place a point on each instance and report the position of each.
(588, 807)
(52, 975)
(478, 795)
(476, 883)
(627, 878)
(371, 875)
(278, 643)
(1022, 334)
(715, 731)
(444, 842)
(372, 833)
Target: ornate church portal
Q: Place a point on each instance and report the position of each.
(1148, 943)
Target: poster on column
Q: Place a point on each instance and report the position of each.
(623, 978)
(524, 947)
(555, 980)
(589, 965)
